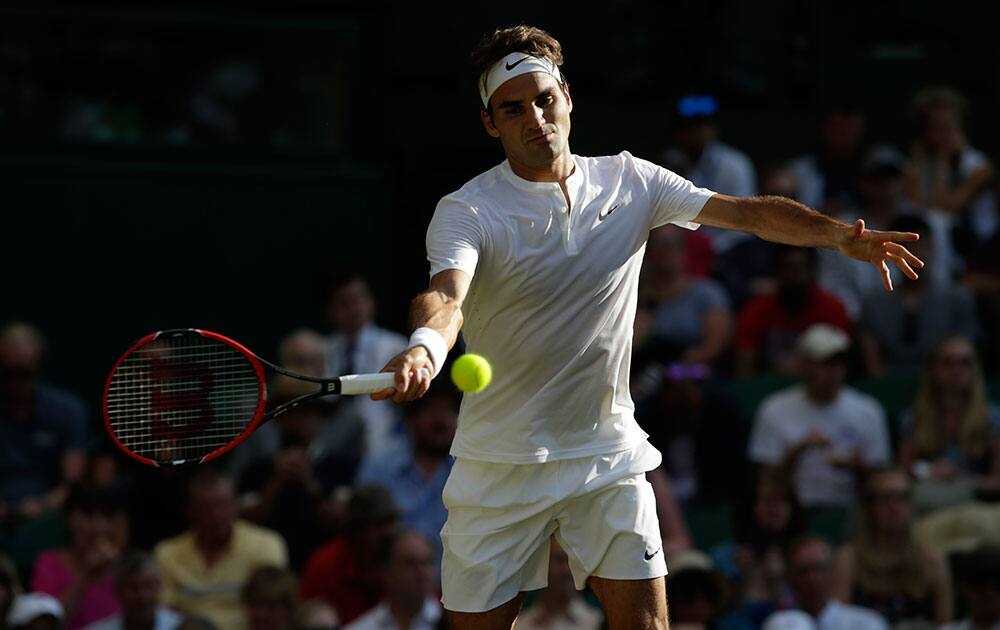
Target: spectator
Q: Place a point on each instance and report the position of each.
(82, 574)
(42, 430)
(884, 567)
(342, 431)
(697, 591)
(827, 177)
(745, 270)
(35, 611)
(289, 492)
(768, 519)
(946, 174)
(416, 470)
(560, 606)
(769, 324)
(690, 316)
(340, 572)
(823, 431)
(898, 328)
(408, 584)
(204, 568)
(700, 429)
(138, 585)
(952, 431)
(810, 574)
(701, 157)
(881, 202)
(358, 346)
(982, 277)
(271, 599)
(978, 576)
(316, 614)
(10, 587)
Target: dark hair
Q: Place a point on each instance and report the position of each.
(387, 551)
(272, 583)
(205, 477)
(744, 522)
(91, 499)
(370, 505)
(802, 540)
(520, 38)
(337, 280)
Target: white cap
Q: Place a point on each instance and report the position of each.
(789, 620)
(820, 342)
(31, 606)
(514, 64)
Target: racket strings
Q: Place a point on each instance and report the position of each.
(182, 397)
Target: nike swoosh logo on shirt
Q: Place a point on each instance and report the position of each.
(605, 214)
(511, 66)
(649, 556)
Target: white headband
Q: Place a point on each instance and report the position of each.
(514, 64)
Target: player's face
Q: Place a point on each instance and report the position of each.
(531, 119)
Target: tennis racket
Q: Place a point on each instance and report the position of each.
(189, 396)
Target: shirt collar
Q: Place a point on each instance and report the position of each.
(530, 186)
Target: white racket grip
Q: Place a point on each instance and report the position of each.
(370, 383)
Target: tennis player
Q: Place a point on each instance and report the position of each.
(537, 260)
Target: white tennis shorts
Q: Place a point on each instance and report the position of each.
(501, 516)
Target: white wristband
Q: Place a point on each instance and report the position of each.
(437, 347)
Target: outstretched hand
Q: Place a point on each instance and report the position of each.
(881, 248)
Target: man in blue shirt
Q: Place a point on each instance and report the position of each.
(415, 470)
(42, 430)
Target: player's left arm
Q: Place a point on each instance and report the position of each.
(783, 220)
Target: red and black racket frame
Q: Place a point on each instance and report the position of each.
(327, 387)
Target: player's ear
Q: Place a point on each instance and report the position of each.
(569, 99)
(488, 123)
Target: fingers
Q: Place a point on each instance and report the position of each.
(411, 370)
(903, 265)
(417, 382)
(896, 236)
(382, 395)
(886, 278)
(899, 250)
(859, 228)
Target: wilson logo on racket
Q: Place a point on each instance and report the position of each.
(179, 403)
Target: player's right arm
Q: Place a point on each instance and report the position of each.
(440, 309)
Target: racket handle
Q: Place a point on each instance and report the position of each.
(370, 383)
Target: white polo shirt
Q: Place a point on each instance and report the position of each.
(552, 301)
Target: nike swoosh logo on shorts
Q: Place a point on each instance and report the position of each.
(511, 66)
(649, 556)
(605, 214)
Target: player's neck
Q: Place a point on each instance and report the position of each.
(556, 171)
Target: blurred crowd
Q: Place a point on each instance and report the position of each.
(65, 83)
(831, 449)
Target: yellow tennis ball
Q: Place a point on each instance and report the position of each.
(471, 373)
